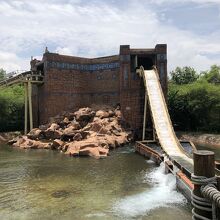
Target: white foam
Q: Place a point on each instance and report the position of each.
(99, 214)
(162, 194)
(150, 161)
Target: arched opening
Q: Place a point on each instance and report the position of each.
(146, 62)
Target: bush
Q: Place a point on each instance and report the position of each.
(12, 108)
(195, 106)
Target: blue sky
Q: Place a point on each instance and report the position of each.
(191, 29)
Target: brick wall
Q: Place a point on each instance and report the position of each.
(74, 82)
(68, 87)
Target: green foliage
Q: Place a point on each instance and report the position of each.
(195, 106)
(212, 76)
(183, 75)
(12, 108)
(2, 74)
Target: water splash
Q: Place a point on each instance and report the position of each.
(162, 194)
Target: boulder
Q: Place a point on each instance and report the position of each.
(35, 133)
(40, 145)
(72, 149)
(102, 142)
(14, 140)
(57, 144)
(77, 137)
(64, 147)
(53, 127)
(70, 131)
(79, 145)
(90, 151)
(102, 114)
(74, 125)
(64, 122)
(103, 130)
(91, 142)
(96, 152)
(25, 143)
(52, 134)
(84, 114)
(95, 126)
(111, 141)
(111, 113)
(121, 140)
(84, 134)
(103, 151)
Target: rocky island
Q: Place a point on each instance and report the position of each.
(86, 132)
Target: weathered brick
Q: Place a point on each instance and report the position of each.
(67, 87)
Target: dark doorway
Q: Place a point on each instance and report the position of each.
(146, 62)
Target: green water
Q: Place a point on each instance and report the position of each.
(40, 184)
(208, 147)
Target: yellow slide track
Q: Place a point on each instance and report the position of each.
(161, 117)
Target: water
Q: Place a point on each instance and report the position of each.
(40, 184)
(211, 148)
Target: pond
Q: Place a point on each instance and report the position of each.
(211, 148)
(40, 184)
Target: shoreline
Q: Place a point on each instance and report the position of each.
(202, 139)
(198, 138)
(6, 136)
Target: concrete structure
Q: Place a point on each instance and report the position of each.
(73, 82)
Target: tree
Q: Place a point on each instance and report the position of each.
(213, 75)
(12, 108)
(195, 106)
(183, 75)
(2, 74)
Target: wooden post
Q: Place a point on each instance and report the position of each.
(145, 112)
(25, 107)
(204, 165)
(30, 105)
(218, 187)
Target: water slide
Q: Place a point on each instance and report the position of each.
(161, 117)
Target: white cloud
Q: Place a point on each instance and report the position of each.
(92, 29)
(10, 61)
(63, 50)
(185, 1)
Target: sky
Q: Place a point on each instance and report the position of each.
(92, 28)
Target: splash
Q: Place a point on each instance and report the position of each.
(162, 194)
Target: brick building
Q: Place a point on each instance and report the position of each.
(73, 82)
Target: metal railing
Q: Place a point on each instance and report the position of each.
(19, 76)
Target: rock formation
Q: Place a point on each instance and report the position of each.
(86, 132)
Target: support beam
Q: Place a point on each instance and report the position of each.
(145, 112)
(25, 107)
(30, 105)
(218, 187)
